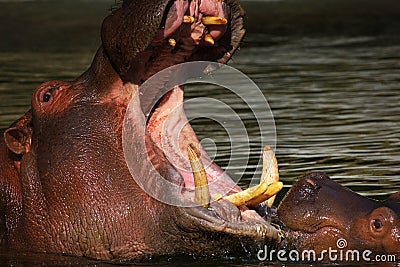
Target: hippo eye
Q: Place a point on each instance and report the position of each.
(377, 224)
(47, 97)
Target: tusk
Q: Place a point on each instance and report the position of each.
(214, 20)
(201, 193)
(172, 42)
(188, 19)
(241, 198)
(267, 189)
(270, 193)
(255, 194)
(270, 171)
(209, 40)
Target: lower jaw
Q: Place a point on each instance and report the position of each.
(252, 228)
(171, 133)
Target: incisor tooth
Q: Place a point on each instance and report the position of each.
(270, 171)
(209, 40)
(188, 19)
(209, 20)
(201, 193)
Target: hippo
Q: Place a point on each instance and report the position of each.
(321, 214)
(65, 184)
(14, 143)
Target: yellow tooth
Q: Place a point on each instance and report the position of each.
(254, 195)
(172, 42)
(188, 19)
(270, 193)
(241, 198)
(201, 193)
(209, 40)
(270, 171)
(267, 189)
(214, 21)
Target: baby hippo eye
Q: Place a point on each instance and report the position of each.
(377, 224)
(47, 97)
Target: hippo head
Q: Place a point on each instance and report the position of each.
(321, 213)
(78, 196)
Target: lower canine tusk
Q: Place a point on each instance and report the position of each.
(254, 195)
(202, 192)
(267, 189)
(270, 171)
(242, 198)
(271, 192)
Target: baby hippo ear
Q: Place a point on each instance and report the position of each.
(18, 140)
(394, 198)
(393, 202)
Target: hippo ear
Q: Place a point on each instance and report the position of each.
(17, 140)
(393, 202)
(380, 221)
(394, 198)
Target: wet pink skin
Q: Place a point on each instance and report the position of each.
(174, 18)
(188, 35)
(214, 8)
(171, 132)
(197, 9)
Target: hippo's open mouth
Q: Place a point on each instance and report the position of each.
(191, 30)
(171, 132)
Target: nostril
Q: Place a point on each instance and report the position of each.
(310, 181)
(309, 189)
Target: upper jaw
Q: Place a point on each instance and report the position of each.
(133, 44)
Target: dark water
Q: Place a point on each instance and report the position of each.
(331, 77)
